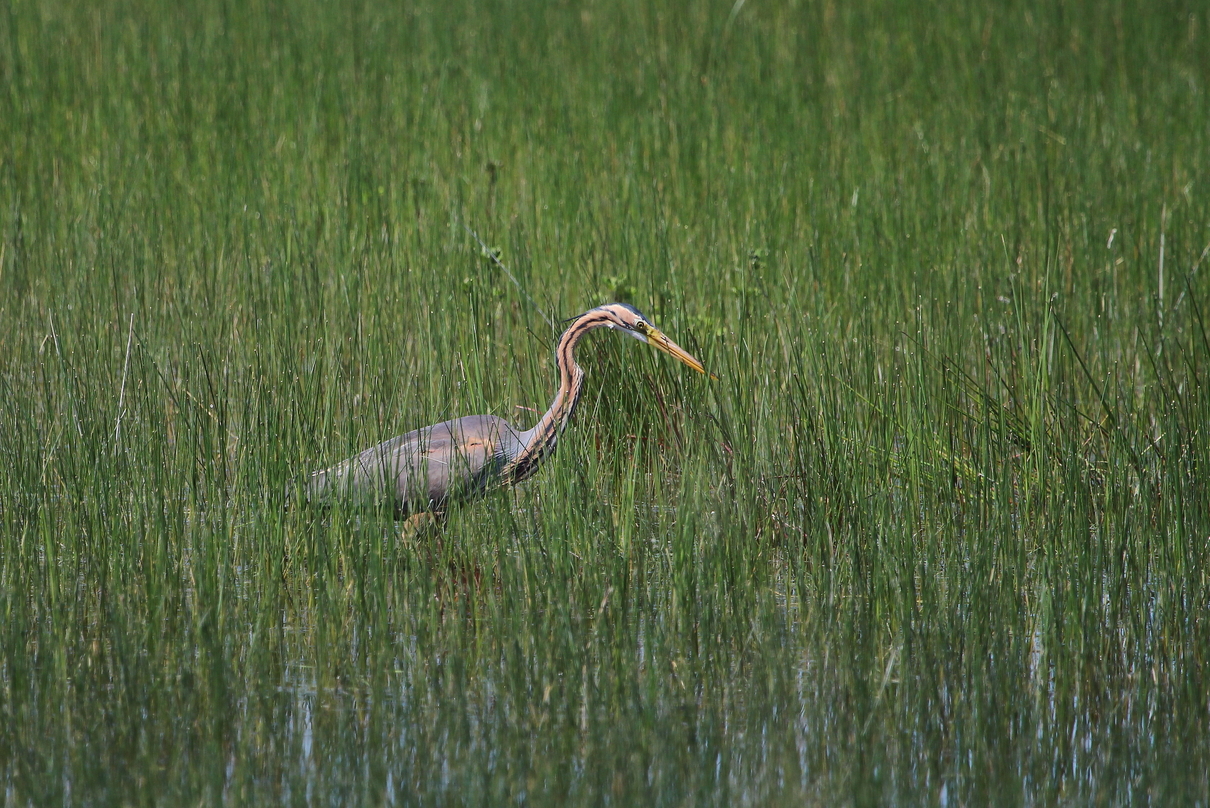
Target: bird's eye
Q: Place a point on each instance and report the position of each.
(641, 327)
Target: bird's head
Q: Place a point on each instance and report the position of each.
(630, 320)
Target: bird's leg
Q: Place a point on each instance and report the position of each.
(419, 525)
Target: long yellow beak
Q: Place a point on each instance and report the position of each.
(658, 340)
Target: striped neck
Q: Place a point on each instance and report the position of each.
(539, 442)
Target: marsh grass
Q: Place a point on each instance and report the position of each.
(938, 532)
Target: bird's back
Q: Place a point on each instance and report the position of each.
(423, 469)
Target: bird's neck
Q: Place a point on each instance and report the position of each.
(554, 420)
(539, 442)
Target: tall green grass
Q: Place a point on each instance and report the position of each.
(937, 534)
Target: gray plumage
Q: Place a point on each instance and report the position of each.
(422, 470)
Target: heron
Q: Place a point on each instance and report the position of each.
(420, 473)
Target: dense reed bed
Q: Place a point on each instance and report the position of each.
(938, 534)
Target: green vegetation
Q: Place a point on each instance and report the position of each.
(939, 534)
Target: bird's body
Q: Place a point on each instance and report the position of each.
(423, 469)
(460, 459)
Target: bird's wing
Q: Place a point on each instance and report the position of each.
(422, 469)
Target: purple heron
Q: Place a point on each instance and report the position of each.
(420, 472)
